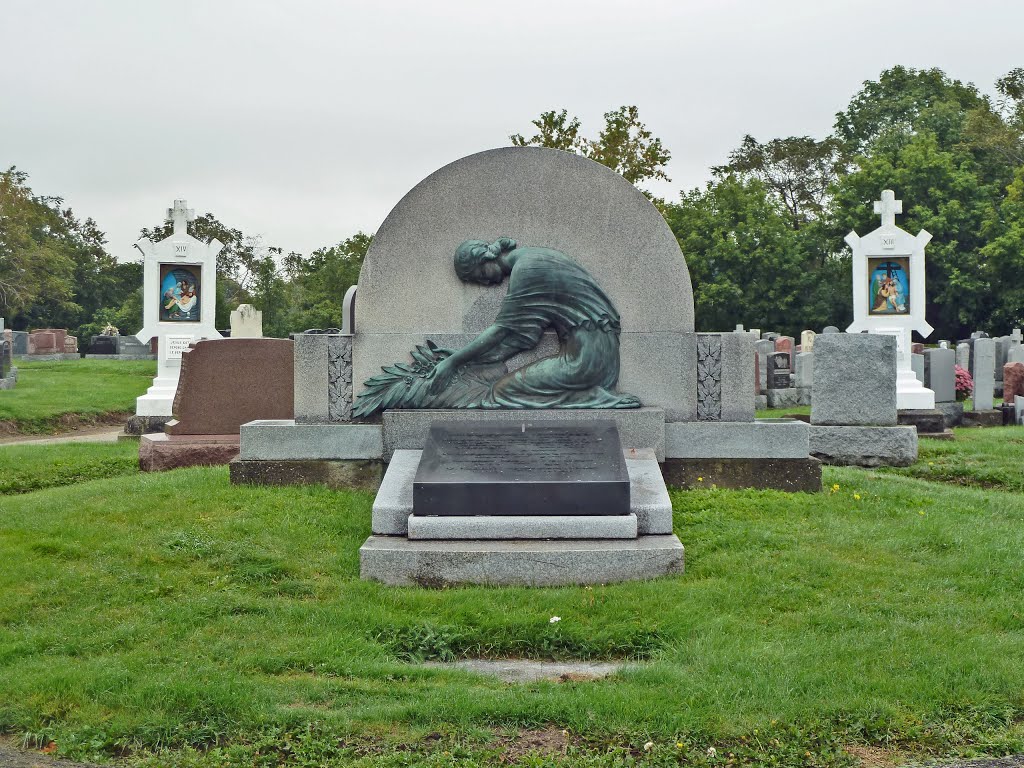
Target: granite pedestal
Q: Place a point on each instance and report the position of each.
(159, 452)
(408, 549)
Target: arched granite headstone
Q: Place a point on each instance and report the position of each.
(409, 292)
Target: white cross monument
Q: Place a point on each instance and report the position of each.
(888, 293)
(180, 279)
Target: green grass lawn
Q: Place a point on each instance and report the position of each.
(50, 396)
(180, 621)
(775, 413)
(27, 467)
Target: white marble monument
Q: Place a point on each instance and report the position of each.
(888, 294)
(180, 276)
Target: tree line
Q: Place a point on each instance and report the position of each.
(763, 238)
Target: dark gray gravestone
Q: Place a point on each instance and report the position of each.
(525, 468)
(778, 370)
(20, 339)
(5, 358)
(103, 345)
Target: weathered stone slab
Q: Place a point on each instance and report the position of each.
(161, 452)
(523, 527)
(764, 438)
(638, 427)
(397, 561)
(864, 446)
(854, 380)
(284, 440)
(364, 474)
(554, 468)
(789, 475)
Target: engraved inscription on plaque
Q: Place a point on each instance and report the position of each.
(522, 468)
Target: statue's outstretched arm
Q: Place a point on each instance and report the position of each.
(477, 348)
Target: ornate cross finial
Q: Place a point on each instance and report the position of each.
(180, 214)
(888, 207)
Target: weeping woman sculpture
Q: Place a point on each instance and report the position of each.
(546, 289)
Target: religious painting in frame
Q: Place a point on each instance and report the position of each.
(888, 285)
(180, 287)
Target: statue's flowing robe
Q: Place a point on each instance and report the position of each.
(547, 289)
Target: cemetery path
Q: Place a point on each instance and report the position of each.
(10, 757)
(105, 434)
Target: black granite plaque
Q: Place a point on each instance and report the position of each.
(103, 345)
(522, 468)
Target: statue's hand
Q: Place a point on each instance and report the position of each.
(502, 245)
(443, 374)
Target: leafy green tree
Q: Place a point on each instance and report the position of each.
(317, 284)
(905, 100)
(624, 144)
(799, 170)
(35, 266)
(749, 265)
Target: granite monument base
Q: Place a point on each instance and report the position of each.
(162, 452)
(397, 561)
(362, 474)
(136, 426)
(638, 427)
(929, 422)
(987, 418)
(409, 549)
(952, 413)
(801, 475)
(864, 446)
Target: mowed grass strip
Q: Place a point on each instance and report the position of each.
(50, 396)
(976, 457)
(165, 610)
(27, 467)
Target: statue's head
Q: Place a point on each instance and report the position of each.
(476, 263)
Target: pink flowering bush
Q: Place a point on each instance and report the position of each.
(964, 384)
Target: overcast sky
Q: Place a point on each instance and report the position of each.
(307, 121)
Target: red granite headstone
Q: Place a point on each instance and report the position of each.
(1013, 382)
(225, 383)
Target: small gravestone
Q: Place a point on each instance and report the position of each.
(246, 322)
(938, 374)
(963, 355)
(984, 373)
(830, 329)
(103, 345)
(495, 468)
(19, 341)
(778, 370)
(917, 365)
(807, 341)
